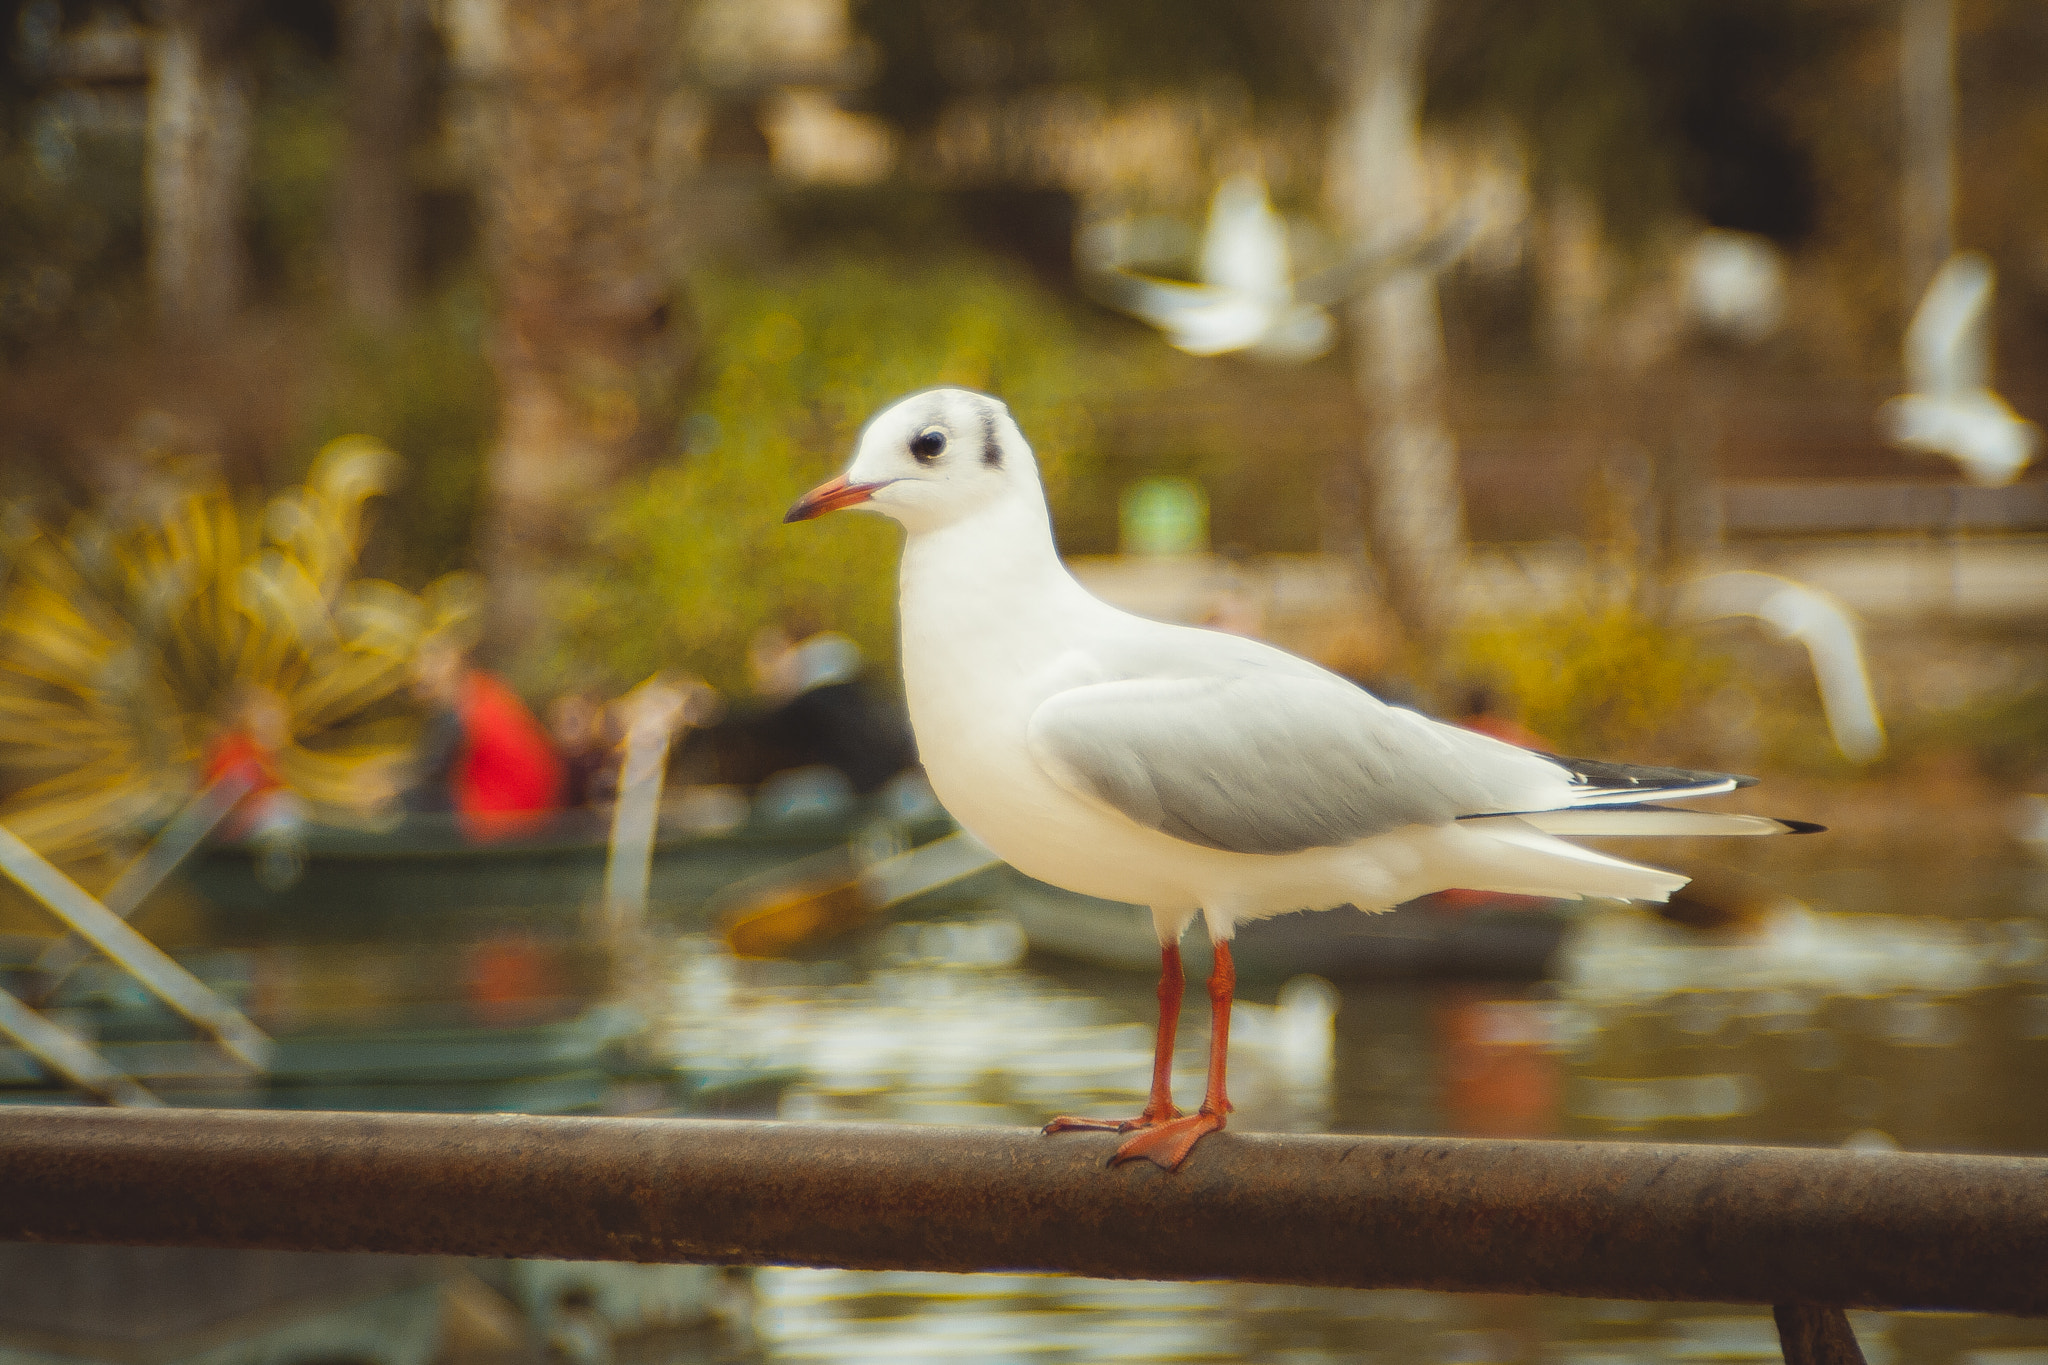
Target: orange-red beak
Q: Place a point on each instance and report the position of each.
(830, 497)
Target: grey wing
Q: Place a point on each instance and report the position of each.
(1271, 763)
(1159, 302)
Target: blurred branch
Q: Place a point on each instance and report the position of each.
(376, 230)
(1376, 182)
(200, 134)
(1927, 90)
(587, 357)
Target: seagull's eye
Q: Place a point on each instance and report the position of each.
(926, 445)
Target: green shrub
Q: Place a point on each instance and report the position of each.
(693, 559)
(1600, 678)
(2004, 732)
(425, 390)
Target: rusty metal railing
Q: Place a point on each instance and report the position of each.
(1809, 1231)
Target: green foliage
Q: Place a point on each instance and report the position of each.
(694, 559)
(293, 168)
(296, 154)
(2005, 732)
(928, 54)
(1601, 677)
(1649, 108)
(70, 233)
(425, 390)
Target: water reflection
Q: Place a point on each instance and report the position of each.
(1854, 1029)
(972, 1036)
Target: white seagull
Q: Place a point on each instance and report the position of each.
(1952, 410)
(1245, 298)
(1817, 620)
(1191, 771)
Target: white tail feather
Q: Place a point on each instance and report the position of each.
(1637, 821)
(1511, 855)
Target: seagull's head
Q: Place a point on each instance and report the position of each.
(929, 460)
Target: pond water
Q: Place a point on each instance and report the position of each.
(1822, 1023)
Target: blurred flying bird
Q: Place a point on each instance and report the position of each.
(1188, 770)
(1824, 626)
(1245, 297)
(1951, 410)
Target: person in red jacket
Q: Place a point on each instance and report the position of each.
(256, 730)
(483, 755)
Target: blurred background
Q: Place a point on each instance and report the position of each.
(390, 383)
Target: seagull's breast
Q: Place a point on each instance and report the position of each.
(971, 710)
(980, 656)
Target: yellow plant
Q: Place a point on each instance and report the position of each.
(123, 644)
(1599, 678)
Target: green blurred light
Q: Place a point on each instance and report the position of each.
(1164, 516)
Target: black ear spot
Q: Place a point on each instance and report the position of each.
(927, 444)
(991, 451)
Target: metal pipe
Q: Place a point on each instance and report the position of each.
(174, 843)
(133, 953)
(653, 713)
(65, 1055)
(1811, 1335)
(1600, 1219)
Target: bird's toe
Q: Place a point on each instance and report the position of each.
(1067, 1123)
(1166, 1145)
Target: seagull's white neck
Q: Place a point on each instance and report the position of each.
(991, 583)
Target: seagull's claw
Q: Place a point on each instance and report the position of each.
(1066, 1123)
(1166, 1145)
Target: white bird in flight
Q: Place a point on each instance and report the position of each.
(1952, 410)
(1817, 620)
(1245, 296)
(1191, 771)
(1244, 300)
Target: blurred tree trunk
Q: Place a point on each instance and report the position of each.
(578, 241)
(1410, 461)
(1927, 87)
(198, 163)
(383, 68)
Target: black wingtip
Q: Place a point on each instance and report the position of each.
(1800, 826)
(1648, 779)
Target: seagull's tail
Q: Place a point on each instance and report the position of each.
(1649, 821)
(1509, 854)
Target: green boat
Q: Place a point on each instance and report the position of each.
(359, 884)
(430, 1055)
(412, 1045)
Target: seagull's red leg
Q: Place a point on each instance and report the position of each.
(1168, 1144)
(1159, 1108)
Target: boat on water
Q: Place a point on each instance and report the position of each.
(1449, 935)
(1494, 937)
(360, 883)
(515, 1024)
